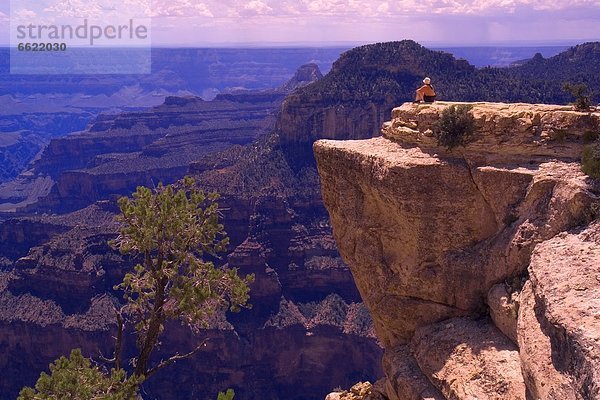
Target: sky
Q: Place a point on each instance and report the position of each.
(332, 22)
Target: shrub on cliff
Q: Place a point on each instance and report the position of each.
(455, 126)
(228, 395)
(583, 98)
(590, 160)
(168, 231)
(77, 378)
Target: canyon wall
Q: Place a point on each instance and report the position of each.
(479, 264)
(57, 270)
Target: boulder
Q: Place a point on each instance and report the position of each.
(467, 359)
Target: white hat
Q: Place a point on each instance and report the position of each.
(427, 81)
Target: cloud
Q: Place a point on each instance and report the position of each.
(452, 7)
(355, 9)
(258, 7)
(24, 14)
(486, 7)
(3, 17)
(99, 8)
(75, 8)
(383, 8)
(181, 8)
(459, 21)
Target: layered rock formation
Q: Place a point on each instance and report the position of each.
(25, 131)
(119, 152)
(439, 239)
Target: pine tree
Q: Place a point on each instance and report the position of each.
(171, 232)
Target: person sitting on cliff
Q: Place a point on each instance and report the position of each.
(426, 92)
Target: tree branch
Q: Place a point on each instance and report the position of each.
(175, 358)
(155, 323)
(119, 338)
(104, 359)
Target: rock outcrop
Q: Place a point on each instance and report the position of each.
(437, 239)
(515, 132)
(305, 75)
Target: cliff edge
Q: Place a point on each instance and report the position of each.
(480, 265)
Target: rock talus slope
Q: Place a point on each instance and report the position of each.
(439, 239)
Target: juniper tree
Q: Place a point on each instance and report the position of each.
(172, 232)
(581, 92)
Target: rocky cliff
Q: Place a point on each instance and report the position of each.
(480, 264)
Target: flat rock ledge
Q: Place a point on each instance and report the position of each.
(515, 131)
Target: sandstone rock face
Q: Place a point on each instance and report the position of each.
(433, 236)
(564, 294)
(298, 122)
(542, 378)
(405, 381)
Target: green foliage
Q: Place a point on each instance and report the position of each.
(388, 74)
(583, 98)
(590, 160)
(76, 378)
(455, 126)
(226, 396)
(169, 230)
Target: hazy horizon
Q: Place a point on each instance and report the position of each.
(292, 44)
